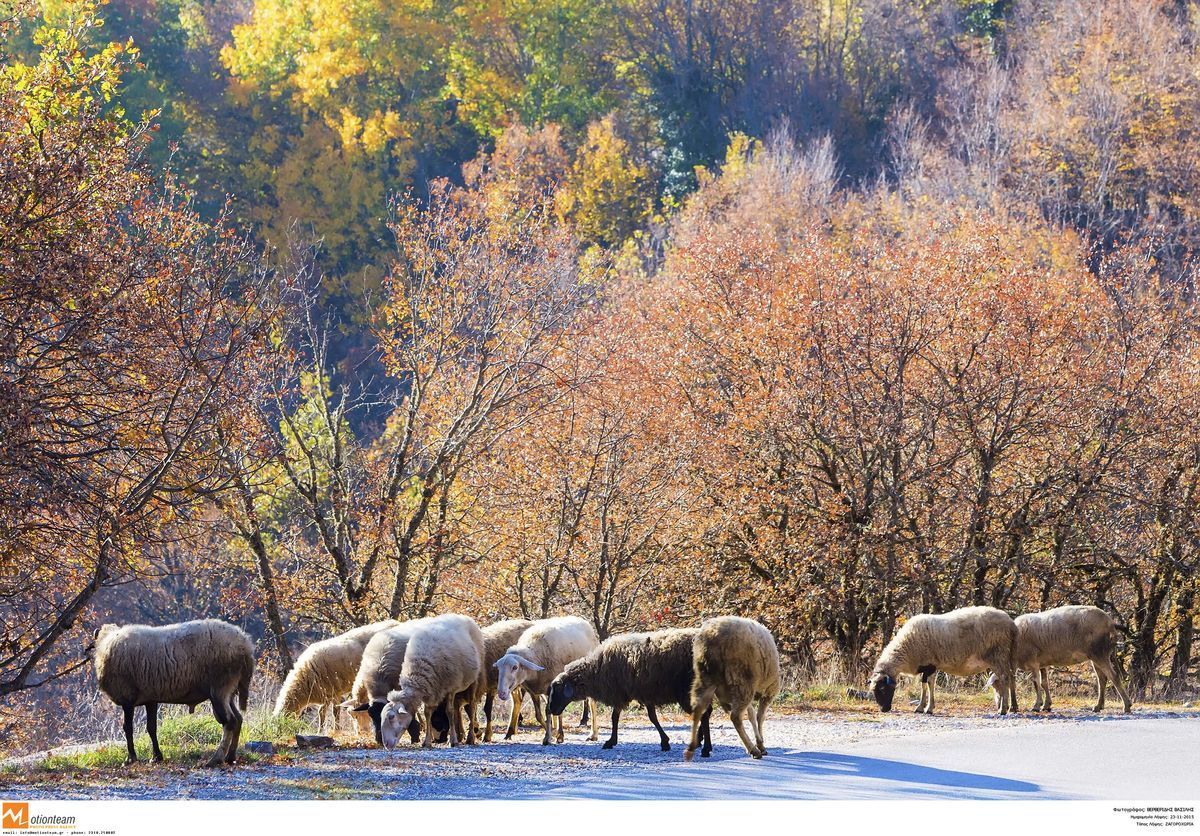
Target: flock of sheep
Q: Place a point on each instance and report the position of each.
(421, 675)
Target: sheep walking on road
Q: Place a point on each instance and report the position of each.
(654, 669)
(180, 664)
(735, 661)
(1066, 636)
(961, 642)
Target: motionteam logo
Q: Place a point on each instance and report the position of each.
(14, 815)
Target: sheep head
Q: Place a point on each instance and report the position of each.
(561, 694)
(514, 669)
(883, 687)
(395, 718)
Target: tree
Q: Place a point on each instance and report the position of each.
(126, 324)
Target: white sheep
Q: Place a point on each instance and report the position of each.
(324, 673)
(735, 661)
(497, 638)
(540, 655)
(961, 642)
(1065, 636)
(444, 657)
(378, 673)
(183, 664)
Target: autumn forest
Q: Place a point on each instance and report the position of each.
(824, 312)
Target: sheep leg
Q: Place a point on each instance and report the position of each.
(591, 703)
(758, 725)
(131, 756)
(414, 730)
(616, 722)
(921, 703)
(152, 730)
(548, 730)
(235, 732)
(1101, 686)
(1116, 682)
(537, 711)
(1044, 675)
(561, 724)
(583, 721)
(427, 743)
(664, 742)
(488, 703)
(706, 733)
(473, 708)
(514, 716)
(220, 710)
(321, 717)
(700, 712)
(1000, 686)
(740, 726)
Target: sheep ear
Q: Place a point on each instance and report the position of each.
(96, 634)
(363, 707)
(394, 696)
(887, 680)
(533, 666)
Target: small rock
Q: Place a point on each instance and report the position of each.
(1187, 704)
(313, 741)
(261, 747)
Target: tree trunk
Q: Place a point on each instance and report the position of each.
(1145, 647)
(1185, 614)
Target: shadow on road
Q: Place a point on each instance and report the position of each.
(803, 775)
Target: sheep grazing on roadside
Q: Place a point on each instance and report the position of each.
(1066, 636)
(444, 657)
(378, 674)
(961, 642)
(183, 664)
(735, 661)
(539, 655)
(653, 669)
(324, 673)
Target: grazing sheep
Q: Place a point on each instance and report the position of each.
(540, 655)
(1066, 636)
(736, 661)
(378, 674)
(324, 673)
(961, 642)
(651, 668)
(444, 657)
(182, 664)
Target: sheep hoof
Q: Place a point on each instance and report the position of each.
(130, 761)
(666, 747)
(757, 755)
(763, 752)
(706, 753)
(1097, 709)
(608, 744)
(688, 754)
(157, 758)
